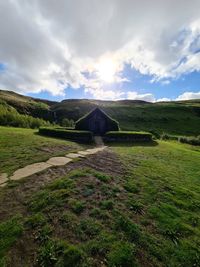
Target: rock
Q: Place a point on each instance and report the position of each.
(29, 170)
(3, 178)
(58, 161)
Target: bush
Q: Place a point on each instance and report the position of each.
(75, 135)
(165, 136)
(67, 123)
(195, 141)
(128, 136)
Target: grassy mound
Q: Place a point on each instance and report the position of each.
(83, 136)
(128, 136)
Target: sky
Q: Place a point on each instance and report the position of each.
(101, 49)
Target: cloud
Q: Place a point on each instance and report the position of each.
(164, 99)
(145, 97)
(49, 45)
(188, 95)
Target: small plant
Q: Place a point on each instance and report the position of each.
(76, 205)
(102, 177)
(87, 191)
(88, 228)
(135, 206)
(131, 229)
(68, 219)
(10, 231)
(48, 254)
(131, 187)
(72, 256)
(99, 214)
(44, 233)
(106, 204)
(35, 220)
(122, 254)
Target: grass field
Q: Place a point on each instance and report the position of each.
(137, 207)
(20, 147)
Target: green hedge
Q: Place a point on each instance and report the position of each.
(191, 140)
(195, 141)
(82, 136)
(128, 136)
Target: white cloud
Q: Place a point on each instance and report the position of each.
(164, 99)
(48, 44)
(145, 97)
(189, 95)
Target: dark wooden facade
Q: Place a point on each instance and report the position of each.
(97, 122)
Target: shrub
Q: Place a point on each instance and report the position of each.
(67, 123)
(75, 135)
(155, 134)
(165, 136)
(195, 141)
(128, 136)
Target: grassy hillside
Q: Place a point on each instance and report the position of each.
(181, 118)
(26, 105)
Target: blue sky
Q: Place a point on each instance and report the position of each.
(142, 84)
(109, 49)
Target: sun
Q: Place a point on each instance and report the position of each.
(106, 70)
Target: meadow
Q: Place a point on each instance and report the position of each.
(134, 205)
(20, 147)
(131, 205)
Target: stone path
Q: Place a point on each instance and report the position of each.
(98, 140)
(40, 166)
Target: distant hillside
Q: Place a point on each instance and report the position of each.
(182, 117)
(35, 107)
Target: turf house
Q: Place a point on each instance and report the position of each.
(98, 122)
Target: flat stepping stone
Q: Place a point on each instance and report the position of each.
(74, 155)
(29, 170)
(58, 161)
(3, 178)
(85, 153)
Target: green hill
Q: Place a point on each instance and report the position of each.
(179, 118)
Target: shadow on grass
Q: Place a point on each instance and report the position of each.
(75, 140)
(130, 144)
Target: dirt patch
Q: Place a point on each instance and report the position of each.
(14, 200)
(55, 148)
